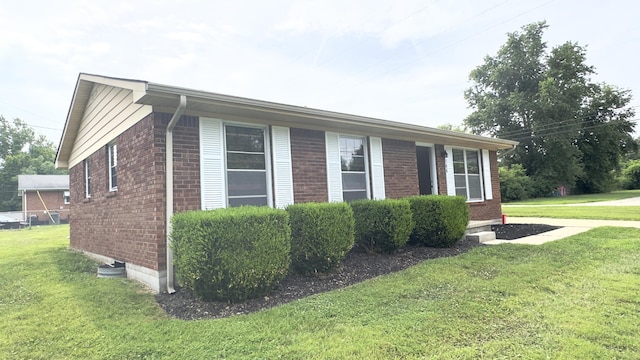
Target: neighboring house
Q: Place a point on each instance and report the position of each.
(139, 151)
(45, 198)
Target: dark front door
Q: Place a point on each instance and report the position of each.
(423, 155)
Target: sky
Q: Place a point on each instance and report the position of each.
(400, 60)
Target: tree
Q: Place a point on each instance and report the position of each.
(21, 152)
(514, 183)
(572, 131)
(633, 151)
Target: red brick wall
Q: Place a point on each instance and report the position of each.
(309, 164)
(129, 224)
(441, 169)
(54, 201)
(485, 210)
(400, 168)
(490, 209)
(186, 160)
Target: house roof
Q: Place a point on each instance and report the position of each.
(43, 182)
(166, 98)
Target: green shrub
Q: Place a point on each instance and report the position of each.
(231, 254)
(440, 221)
(514, 183)
(631, 175)
(382, 225)
(321, 235)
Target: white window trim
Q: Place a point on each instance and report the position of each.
(267, 160)
(365, 152)
(334, 170)
(111, 146)
(451, 187)
(66, 197)
(282, 166)
(212, 175)
(87, 179)
(486, 174)
(376, 157)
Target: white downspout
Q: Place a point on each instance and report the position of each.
(507, 152)
(169, 188)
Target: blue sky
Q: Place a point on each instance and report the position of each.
(402, 60)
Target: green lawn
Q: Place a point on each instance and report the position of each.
(576, 212)
(577, 199)
(575, 298)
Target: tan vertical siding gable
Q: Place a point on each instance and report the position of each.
(109, 112)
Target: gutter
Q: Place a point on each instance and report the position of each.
(508, 151)
(169, 188)
(158, 93)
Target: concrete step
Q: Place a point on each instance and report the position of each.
(481, 225)
(482, 236)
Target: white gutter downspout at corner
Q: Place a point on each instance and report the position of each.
(169, 188)
(508, 151)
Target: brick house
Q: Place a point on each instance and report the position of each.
(139, 151)
(45, 198)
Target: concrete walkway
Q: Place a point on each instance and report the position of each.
(570, 227)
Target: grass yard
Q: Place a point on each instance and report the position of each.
(578, 199)
(574, 298)
(631, 213)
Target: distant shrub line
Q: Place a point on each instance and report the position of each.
(235, 254)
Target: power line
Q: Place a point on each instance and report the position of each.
(550, 126)
(555, 125)
(30, 112)
(566, 131)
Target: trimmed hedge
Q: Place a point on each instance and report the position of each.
(321, 235)
(440, 221)
(231, 254)
(382, 225)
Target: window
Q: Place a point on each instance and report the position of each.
(66, 197)
(353, 164)
(466, 172)
(246, 166)
(87, 179)
(113, 167)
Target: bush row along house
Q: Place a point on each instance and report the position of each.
(139, 151)
(45, 198)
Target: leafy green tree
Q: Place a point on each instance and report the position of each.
(604, 139)
(633, 150)
(631, 175)
(514, 183)
(21, 152)
(572, 131)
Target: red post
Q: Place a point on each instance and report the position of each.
(504, 219)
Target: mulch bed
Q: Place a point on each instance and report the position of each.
(517, 231)
(357, 267)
